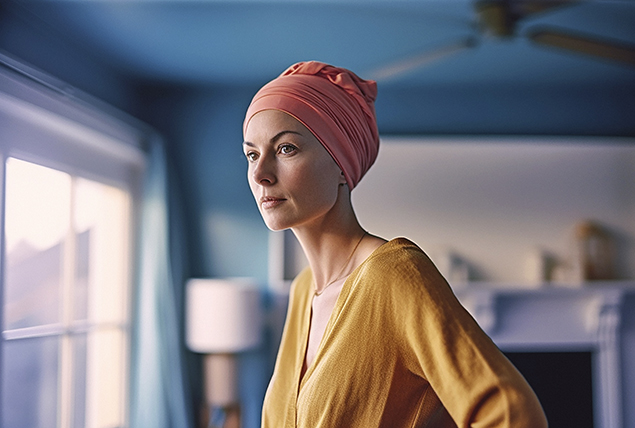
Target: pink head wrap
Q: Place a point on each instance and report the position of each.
(334, 104)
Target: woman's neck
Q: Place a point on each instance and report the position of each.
(329, 248)
(335, 244)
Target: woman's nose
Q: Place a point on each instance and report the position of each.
(264, 172)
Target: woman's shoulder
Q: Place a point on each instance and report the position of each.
(397, 254)
(401, 266)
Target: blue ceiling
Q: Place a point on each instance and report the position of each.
(136, 54)
(215, 42)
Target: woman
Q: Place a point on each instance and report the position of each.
(374, 336)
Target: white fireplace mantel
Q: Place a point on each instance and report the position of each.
(559, 318)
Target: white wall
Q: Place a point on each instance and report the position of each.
(493, 200)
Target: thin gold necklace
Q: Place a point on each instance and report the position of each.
(339, 275)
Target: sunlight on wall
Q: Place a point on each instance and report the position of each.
(494, 201)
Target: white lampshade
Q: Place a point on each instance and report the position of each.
(223, 315)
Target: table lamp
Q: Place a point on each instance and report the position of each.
(223, 318)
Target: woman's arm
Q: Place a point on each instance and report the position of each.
(476, 383)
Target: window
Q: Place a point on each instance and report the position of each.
(68, 195)
(66, 299)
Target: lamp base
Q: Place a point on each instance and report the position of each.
(221, 391)
(221, 388)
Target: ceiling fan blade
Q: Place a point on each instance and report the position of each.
(530, 7)
(499, 17)
(412, 63)
(612, 50)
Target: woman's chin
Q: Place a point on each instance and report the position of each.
(275, 226)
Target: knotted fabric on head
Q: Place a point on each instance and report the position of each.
(336, 105)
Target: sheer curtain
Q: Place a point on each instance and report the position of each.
(159, 383)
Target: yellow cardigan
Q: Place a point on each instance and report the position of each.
(399, 350)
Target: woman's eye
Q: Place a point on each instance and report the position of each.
(287, 149)
(251, 156)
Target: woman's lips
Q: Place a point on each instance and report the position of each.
(268, 202)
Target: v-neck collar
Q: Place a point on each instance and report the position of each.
(335, 314)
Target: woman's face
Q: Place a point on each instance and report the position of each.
(293, 178)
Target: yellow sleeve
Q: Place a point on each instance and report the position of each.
(442, 343)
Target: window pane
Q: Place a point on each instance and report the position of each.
(29, 383)
(101, 222)
(79, 381)
(106, 370)
(37, 221)
(80, 298)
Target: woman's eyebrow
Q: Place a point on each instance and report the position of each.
(281, 133)
(275, 137)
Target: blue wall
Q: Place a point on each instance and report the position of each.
(203, 129)
(600, 108)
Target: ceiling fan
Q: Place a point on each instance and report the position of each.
(499, 19)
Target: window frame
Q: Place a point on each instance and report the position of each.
(47, 122)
